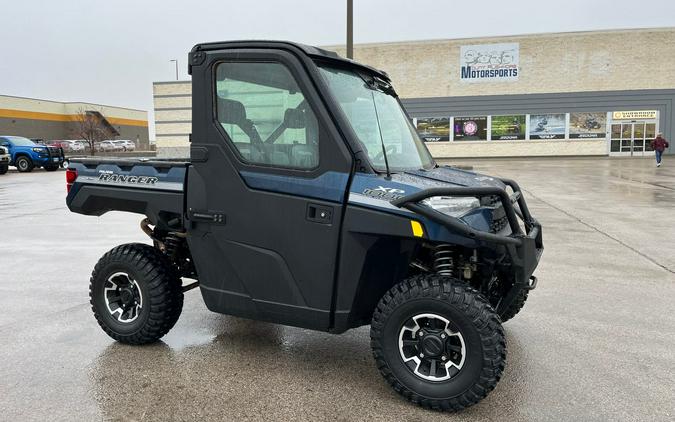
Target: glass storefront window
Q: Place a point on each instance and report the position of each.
(470, 128)
(585, 125)
(434, 129)
(511, 127)
(547, 126)
(650, 134)
(616, 131)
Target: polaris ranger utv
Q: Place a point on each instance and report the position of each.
(309, 200)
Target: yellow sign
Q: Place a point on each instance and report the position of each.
(638, 114)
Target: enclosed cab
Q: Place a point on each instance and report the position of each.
(310, 200)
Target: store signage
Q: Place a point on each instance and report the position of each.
(638, 114)
(470, 128)
(585, 125)
(505, 128)
(547, 126)
(433, 129)
(489, 62)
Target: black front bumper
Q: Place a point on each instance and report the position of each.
(524, 247)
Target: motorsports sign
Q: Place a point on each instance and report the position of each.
(489, 62)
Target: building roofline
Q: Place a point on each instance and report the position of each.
(522, 35)
(187, 81)
(72, 102)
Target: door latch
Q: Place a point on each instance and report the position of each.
(214, 217)
(319, 214)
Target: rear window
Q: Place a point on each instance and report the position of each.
(266, 116)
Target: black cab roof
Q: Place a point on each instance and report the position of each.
(314, 52)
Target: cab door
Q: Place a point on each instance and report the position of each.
(267, 188)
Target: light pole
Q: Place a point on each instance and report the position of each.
(350, 29)
(175, 61)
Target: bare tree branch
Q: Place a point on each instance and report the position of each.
(90, 127)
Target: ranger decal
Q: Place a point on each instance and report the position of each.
(125, 178)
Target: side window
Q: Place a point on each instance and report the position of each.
(266, 116)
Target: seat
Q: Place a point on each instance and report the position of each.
(304, 156)
(249, 152)
(276, 155)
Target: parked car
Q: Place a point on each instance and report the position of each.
(56, 143)
(109, 146)
(85, 144)
(126, 144)
(72, 146)
(25, 154)
(4, 160)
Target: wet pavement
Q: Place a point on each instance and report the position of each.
(596, 340)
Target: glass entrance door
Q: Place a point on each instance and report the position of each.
(632, 139)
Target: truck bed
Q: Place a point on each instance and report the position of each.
(151, 187)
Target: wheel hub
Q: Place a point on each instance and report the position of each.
(432, 347)
(123, 297)
(127, 296)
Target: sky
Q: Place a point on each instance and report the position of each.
(110, 52)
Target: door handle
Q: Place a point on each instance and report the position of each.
(319, 214)
(215, 217)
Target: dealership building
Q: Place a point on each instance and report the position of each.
(54, 120)
(601, 93)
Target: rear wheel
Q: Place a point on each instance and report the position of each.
(24, 164)
(438, 342)
(135, 294)
(4, 169)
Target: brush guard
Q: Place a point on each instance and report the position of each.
(524, 247)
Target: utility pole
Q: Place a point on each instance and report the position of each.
(350, 29)
(175, 61)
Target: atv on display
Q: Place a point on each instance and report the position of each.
(309, 200)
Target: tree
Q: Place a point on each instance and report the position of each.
(91, 127)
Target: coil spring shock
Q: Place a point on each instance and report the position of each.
(443, 261)
(171, 244)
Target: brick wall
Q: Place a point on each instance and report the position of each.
(569, 62)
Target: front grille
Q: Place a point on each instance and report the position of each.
(55, 151)
(498, 224)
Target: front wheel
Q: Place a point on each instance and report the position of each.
(24, 164)
(438, 342)
(4, 169)
(135, 293)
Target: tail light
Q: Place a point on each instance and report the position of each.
(71, 175)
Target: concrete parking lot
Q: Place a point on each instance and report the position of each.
(596, 340)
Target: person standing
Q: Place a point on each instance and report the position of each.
(659, 145)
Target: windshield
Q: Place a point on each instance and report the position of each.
(377, 118)
(19, 141)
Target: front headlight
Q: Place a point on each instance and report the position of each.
(39, 150)
(454, 207)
